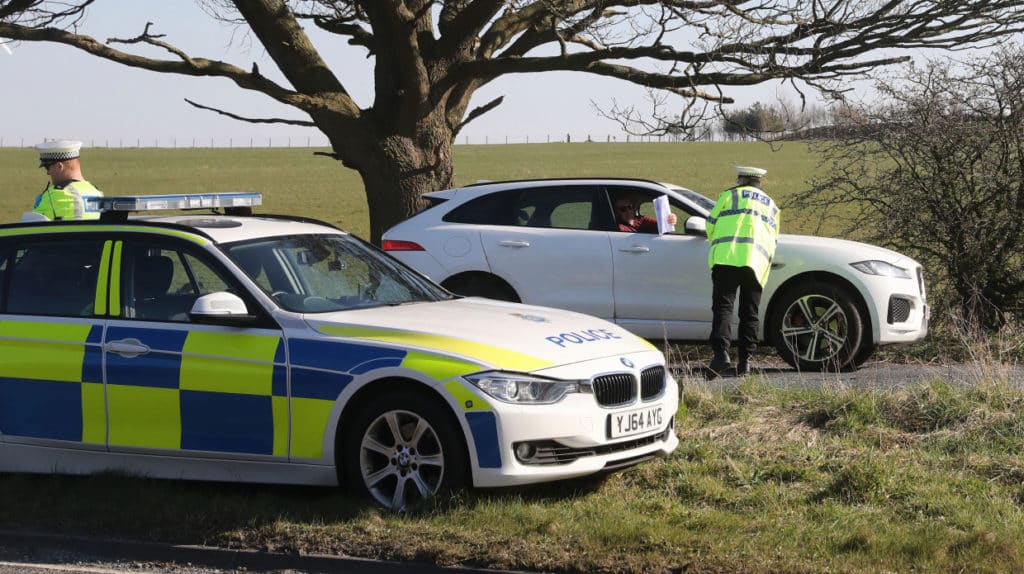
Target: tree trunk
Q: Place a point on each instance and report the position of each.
(397, 169)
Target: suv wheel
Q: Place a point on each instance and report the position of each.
(817, 327)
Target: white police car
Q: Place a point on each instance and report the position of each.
(828, 302)
(280, 349)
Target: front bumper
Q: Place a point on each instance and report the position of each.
(901, 312)
(568, 439)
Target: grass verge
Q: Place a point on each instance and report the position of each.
(923, 478)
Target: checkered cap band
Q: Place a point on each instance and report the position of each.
(58, 150)
(57, 155)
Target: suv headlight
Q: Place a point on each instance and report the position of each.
(875, 267)
(518, 388)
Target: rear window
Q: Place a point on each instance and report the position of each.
(492, 209)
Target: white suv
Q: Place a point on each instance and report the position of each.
(828, 303)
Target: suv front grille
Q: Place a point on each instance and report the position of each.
(616, 389)
(652, 382)
(899, 310)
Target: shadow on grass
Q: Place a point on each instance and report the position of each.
(195, 512)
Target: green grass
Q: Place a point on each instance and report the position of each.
(294, 181)
(926, 478)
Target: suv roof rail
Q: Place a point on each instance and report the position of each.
(542, 179)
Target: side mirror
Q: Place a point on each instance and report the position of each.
(30, 216)
(696, 226)
(221, 308)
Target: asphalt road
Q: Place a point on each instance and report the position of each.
(871, 375)
(41, 553)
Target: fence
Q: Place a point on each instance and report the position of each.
(321, 141)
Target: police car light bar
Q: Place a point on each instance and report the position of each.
(177, 201)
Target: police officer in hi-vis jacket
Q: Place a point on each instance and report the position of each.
(65, 196)
(743, 229)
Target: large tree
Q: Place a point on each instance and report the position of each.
(430, 57)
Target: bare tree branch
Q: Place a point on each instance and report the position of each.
(190, 67)
(477, 112)
(253, 120)
(431, 56)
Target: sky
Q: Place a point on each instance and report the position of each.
(50, 91)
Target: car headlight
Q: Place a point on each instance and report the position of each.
(523, 389)
(875, 267)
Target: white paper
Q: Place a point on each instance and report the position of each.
(661, 212)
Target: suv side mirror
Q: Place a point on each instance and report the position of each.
(696, 226)
(221, 308)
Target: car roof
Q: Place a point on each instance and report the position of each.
(485, 187)
(219, 228)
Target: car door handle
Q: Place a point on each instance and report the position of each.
(511, 243)
(127, 348)
(636, 249)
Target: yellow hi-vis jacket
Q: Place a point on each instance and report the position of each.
(67, 201)
(743, 229)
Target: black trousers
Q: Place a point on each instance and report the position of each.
(726, 279)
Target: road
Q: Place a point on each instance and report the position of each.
(33, 553)
(871, 375)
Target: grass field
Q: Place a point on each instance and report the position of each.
(923, 479)
(296, 182)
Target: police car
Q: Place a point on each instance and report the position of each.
(279, 349)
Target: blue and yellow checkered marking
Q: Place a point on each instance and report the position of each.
(50, 381)
(200, 390)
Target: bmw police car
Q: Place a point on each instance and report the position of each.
(280, 349)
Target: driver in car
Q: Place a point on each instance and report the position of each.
(628, 218)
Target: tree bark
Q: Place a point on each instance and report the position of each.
(397, 168)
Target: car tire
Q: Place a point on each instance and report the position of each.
(481, 285)
(401, 449)
(817, 327)
(867, 349)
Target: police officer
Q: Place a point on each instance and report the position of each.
(65, 196)
(743, 229)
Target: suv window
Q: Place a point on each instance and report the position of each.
(570, 207)
(492, 209)
(564, 208)
(52, 278)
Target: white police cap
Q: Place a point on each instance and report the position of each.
(58, 150)
(746, 171)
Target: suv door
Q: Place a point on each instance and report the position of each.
(52, 297)
(552, 250)
(176, 385)
(662, 282)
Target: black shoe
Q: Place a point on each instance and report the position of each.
(718, 365)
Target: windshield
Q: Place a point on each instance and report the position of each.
(701, 201)
(323, 273)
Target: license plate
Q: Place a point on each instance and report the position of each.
(628, 423)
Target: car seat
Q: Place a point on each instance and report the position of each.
(151, 280)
